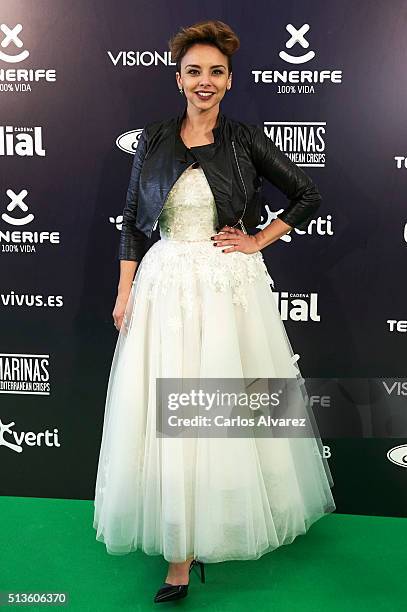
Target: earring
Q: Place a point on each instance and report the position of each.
(181, 91)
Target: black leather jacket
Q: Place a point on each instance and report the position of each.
(234, 166)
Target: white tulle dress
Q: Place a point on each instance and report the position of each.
(195, 311)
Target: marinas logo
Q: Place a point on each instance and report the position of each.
(21, 141)
(398, 455)
(13, 52)
(128, 141)
(17, 440)
(302, 141)
(24, 374)
(297, 81)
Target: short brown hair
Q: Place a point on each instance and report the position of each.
(212, 32)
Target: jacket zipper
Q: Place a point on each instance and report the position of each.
(156, 220)
(245, 192)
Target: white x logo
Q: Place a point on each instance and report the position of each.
(297, 36)
(3, 442)
(11, 35)
(17, 201)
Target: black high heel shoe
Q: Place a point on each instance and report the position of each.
(170, 592)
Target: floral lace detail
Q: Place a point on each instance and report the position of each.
(186, 256)
(189, 211)
(171, 263)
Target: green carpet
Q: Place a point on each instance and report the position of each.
(344, 563)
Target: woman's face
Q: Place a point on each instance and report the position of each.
(204, 68)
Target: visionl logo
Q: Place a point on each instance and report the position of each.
(141, 58)
(11, 36)
(297, 36)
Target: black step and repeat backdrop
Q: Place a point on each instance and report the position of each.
(78, 81)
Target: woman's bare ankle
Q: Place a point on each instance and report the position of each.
(178, 573)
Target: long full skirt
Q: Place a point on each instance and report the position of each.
(196, 312)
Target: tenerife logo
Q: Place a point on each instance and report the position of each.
(12, 52)
(15, 440)
(17, 215)
(398, 455)
(11, 36)
(24, 374)
(300, 81)
(128, 141)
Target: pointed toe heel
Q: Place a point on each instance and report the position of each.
(171, 592)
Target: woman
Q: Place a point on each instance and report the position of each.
(201, 306)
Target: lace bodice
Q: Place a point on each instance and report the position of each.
(185, 258)
(189, 212)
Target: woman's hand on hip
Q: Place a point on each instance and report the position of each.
(232, 239)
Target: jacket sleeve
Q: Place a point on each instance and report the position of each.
(133, 243)
(289, 178)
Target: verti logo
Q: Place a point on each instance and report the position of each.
(29, 438)
(316, 227)
(297, 36)
(11, 37)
